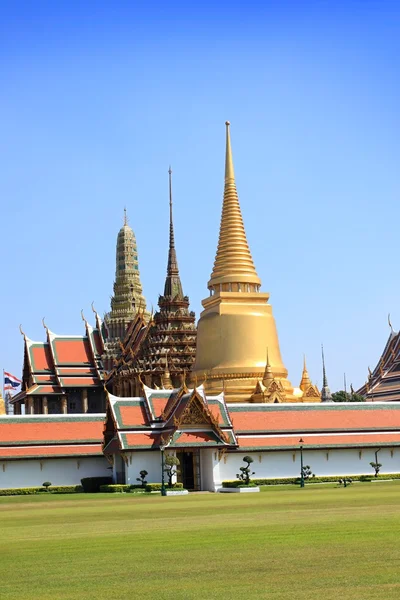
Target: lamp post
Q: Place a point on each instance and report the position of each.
(301, 442)
(163, 491)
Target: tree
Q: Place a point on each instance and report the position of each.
(376, 466)
(46, 485)
(307, 472)
(142, 478)
(343, 396)
(171, 465)
(345, 481)
(244, 474)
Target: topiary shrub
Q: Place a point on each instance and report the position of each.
(91, 485)
(46, 485)
(143, 474)
(244, 475)
(171, 465)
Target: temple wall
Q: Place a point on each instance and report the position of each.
(149, 461)
(59, 471)
(271, 465)
(209, 468)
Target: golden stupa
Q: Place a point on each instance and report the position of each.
(237, 327)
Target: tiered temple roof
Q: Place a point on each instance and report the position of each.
(128, 297)
(190, 418)
(164, 351)
(383, 384)
(61, 368)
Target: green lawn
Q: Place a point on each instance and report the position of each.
(322, 543)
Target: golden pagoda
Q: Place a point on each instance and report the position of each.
(2, 405)
(237, 325)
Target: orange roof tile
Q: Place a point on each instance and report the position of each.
(316, 418)
(51, 430)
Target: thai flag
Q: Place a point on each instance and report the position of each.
(11, 382)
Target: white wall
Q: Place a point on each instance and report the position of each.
(59, 471)
(149, 461)
(272, 465)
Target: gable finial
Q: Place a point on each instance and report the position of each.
(21, 331)
(390, 323)
(83, 316)
(44, 325)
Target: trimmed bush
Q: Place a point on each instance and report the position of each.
(327, 479)
(115, 488)
(156, 487)
(61, 489)
(91, 485)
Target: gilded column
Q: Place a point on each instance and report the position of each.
(45, 408)
(29, 406)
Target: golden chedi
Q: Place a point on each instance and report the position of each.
(237, 325)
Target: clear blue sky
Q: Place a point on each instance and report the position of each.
(99, 98)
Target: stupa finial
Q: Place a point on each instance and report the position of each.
(173, 285)
(125, 216)
(326, 395)
(233, 262)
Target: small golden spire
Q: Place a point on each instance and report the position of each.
(305, 378)
(268, 374)
(125, 217)
(233, 262)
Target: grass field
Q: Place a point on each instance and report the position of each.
(322, 542)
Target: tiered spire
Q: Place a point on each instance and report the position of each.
(173, 285)
(326, 395)
(233, 263)
(305, 378)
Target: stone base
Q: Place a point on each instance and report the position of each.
(176, 492)
(239, 490)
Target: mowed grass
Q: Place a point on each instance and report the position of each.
(322, 542)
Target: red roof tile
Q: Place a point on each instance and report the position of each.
(39, 430)
(41, 357)
(317, 418)
(71, 351)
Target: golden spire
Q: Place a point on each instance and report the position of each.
(233, 262)
(305, 378)
(268, 374)
(125, 217)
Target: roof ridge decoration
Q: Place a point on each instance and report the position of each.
(233, 262)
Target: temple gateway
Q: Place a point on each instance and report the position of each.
(139, 384)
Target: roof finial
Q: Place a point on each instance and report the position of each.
(125, 217)
(44, 325)
(390, 323)
(22, 332)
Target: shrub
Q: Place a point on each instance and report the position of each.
(171, 465)
(244, 475)
(46, 485)
(114, 488)
(92, 484)
(327, 479)
(61, 489)
(156, 487)
(142, 478)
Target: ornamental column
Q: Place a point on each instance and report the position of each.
(84, 401)
(45, 408)
(29, 406)
(64, 408)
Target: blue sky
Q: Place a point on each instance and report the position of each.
(99, 98)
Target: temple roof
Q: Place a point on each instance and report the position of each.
(63, 361)
(177, 419)
(50, 435)
(383, 384)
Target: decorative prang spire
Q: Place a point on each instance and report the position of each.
(326, 395)
(173, 285)
(305, 378)
(268, 374)
(233, 262)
